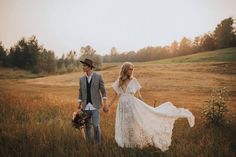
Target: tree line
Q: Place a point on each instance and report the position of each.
(29, 55)
(223, 36)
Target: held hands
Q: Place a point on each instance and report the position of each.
(105, 108)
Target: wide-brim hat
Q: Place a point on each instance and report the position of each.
(88, 62)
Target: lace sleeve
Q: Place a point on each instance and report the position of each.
(116, 87)
(136, 86)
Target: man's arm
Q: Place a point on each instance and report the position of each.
(103, 90)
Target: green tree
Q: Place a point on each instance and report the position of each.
(51, 62)
(3, 54)
(215, 108)
(61, 62)
(71, 61)
(196, 45)
(225, 33)
(29, 55)
(207, 42)
(46, 62)
(24, 54)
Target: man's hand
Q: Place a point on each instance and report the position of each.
(105, 108)
(79, 106)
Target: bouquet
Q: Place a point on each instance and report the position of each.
(78, 119)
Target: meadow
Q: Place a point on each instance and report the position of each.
(36, 110)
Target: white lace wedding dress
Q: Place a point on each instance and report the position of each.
(139, 125)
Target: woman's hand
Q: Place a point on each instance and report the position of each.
(105, 108)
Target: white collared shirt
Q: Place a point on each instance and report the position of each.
(89, 77)
(89, 106)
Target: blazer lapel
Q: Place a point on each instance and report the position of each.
(85, 84)
(93, 78)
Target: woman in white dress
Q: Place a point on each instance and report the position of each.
(138, 124)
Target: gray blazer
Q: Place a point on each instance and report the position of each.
(97, 90)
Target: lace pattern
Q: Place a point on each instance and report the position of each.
(140, 125)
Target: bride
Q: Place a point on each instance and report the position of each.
(138, 124)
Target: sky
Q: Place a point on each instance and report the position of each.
(128, 25)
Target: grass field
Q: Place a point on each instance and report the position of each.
(36, 112)
(221, 55)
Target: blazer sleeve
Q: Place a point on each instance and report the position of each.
(102, 87)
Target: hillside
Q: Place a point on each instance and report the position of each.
(16, 73)
(221, 55)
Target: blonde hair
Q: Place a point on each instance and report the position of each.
(123, 73)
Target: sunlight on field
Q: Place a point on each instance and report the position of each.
(36, 113)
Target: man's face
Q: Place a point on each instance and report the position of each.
(86, 68)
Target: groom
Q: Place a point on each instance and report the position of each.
(91, 93)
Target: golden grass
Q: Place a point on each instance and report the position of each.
(36, 113)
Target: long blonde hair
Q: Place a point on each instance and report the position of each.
(124, 73)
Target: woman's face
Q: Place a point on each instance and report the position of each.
(130, 70)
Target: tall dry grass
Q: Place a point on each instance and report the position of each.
(35, 119)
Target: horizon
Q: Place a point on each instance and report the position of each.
(127, 25)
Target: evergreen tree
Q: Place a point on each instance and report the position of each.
(225, 33)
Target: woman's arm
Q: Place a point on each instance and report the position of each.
(139, 95)
(113, 99)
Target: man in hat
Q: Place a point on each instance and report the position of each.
(91, 93)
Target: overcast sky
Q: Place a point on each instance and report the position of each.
(63, 25)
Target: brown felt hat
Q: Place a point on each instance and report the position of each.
(88, 62)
